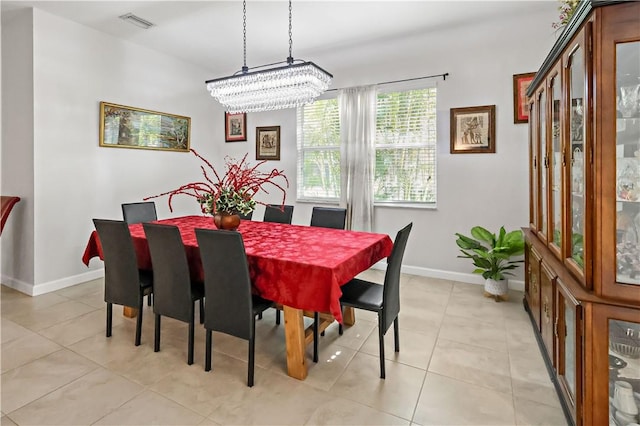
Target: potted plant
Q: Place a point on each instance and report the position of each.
(227, 196)
(492, 254)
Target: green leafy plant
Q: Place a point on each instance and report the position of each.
(491, 253)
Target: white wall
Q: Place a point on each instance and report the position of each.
(74, 180)
(17, 177)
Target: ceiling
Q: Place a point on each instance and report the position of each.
(209, 33)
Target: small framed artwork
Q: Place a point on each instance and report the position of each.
(268, 143)
(521, 83)
(128, 127)
(473, 130)
(235, 127)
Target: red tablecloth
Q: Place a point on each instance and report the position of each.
(298, 266)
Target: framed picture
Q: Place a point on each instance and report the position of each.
(235, 127)
(473, 130)
(127, 127)
(268, 143)
(521, 83)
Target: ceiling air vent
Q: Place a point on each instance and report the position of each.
(137, 21)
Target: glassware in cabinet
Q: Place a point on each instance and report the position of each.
(557, 161)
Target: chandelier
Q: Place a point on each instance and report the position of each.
(285, 85)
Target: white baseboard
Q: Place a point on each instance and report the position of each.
(449, 275)
(35, 290)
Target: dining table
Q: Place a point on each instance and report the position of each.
(301, 268)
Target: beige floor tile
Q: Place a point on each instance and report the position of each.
(446, 401)
(81, 291)
(273, 400)
(332, 361)
(29, 382)
(419, 319)
(6, 421)
(531, 413)
(411, 297)
(19, 304)
(527, 365)
(76, 329)
(476, 307)
(202, 391)
(152, 409)
(353, 337)
(473, 332)
(520, 334)
(543, 394)
(428, 284)
(345, 412)
(82, 401)
(396, 395)
(11, 331)
(39, 319)
(415, 348)
(26, 349)
(472, 364)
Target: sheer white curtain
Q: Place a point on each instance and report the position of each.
(357, 140)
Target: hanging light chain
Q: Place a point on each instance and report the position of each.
(244, 35)
(290, 58)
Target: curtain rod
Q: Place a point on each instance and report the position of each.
(444, 77)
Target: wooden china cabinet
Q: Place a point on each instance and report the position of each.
(583, 241)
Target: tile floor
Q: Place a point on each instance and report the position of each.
(464, 360)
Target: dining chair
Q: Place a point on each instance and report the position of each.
(139, 212)
(174, 291)
(124, 283)
(273, 213)
(329, 217)
(382, 299)
(324, 217)
(231, 308)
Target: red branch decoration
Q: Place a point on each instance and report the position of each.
(241, 181)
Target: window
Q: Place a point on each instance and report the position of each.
(405, 165)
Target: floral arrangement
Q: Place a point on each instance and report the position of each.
(567, 8)
(233, 192)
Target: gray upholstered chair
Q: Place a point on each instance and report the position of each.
(329, 217)
(273, 213)
(124, 283)
(382, 299)
(230, 307)
(175, 293)
(139, 212)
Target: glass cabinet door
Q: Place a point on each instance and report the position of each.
(628, 163)
(577, 131)
(569, 346)
(620, 126)
(557, 160)
(542, 137)
(533, 168)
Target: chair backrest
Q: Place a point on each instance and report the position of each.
(391, 292)
(121, 276)
(6, 204)
(227, 285)
(139, 212)
(328, 217)
(171, 279)
(247, 216)
(273, 213)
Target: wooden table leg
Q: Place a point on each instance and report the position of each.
(349, 316)
(295, 341)
(129, 312)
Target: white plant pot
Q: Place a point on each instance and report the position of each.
(496, 288)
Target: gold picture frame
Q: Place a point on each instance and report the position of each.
(268, 143)
(128, 127)
(473, 130)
